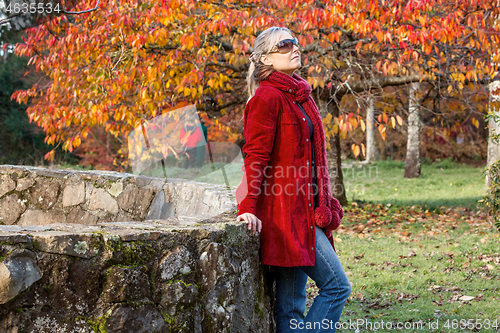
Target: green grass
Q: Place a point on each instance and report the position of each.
(439, 184)
(408, 270)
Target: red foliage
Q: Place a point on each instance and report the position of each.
(100, 150)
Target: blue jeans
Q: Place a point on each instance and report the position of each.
(334, 290)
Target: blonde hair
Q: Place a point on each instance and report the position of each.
(258, 71)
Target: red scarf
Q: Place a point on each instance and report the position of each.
(329, 211)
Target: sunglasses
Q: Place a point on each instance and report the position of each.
(285, 46)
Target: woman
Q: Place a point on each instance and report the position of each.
(285, 192)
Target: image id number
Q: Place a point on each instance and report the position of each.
(32, 8)
(471, 324)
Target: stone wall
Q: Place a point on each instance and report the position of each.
(108, 252)
(37, 196)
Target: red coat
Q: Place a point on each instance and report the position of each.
(275, 132)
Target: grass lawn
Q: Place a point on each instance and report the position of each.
(419, 268)
(440, 184)
(416, 251)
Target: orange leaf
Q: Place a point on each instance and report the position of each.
(50, 155)
(381, 129)
(400, 120)
(77, 141)
(356, 151)
(358, 46)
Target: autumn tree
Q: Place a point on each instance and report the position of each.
(128, 62)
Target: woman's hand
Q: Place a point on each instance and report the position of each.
(252, 221)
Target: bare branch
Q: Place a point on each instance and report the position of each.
(83, 11)
(367, 85)
(229, 66)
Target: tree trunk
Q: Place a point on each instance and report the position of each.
(336, 176)
(412, 161)
(335, 171)
(323, 108)
(493, 127)
(372, 153)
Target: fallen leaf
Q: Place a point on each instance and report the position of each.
(466, 298)
(435, 288)
(440, 302)
(359, 257)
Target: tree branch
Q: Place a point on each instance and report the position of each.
(367, 85)
(232, 67)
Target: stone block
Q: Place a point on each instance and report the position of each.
(142, 181)
(160, 209)
(115, 189)
(100, 199)
(11, 323)
(17, 273)
(54, 323)
(178, 293)
(36, 228)
(39, 217)
(13, 170)
(6, 185)
(145, 319)
(128, 235)
(123, 217)
(178, 261)
(214, 264)
(156, 184)
(218, 304)
(10, 228)
(187, 198)
(74, 228)
(78, 215)
(52, 173)
(15, 238)
(133, 225)
(135, 200)
(125, 284)
(24, 183)
(77, 245)
(73, 194)
(44, 193)
(11, 207)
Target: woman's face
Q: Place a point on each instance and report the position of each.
(286, 63)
